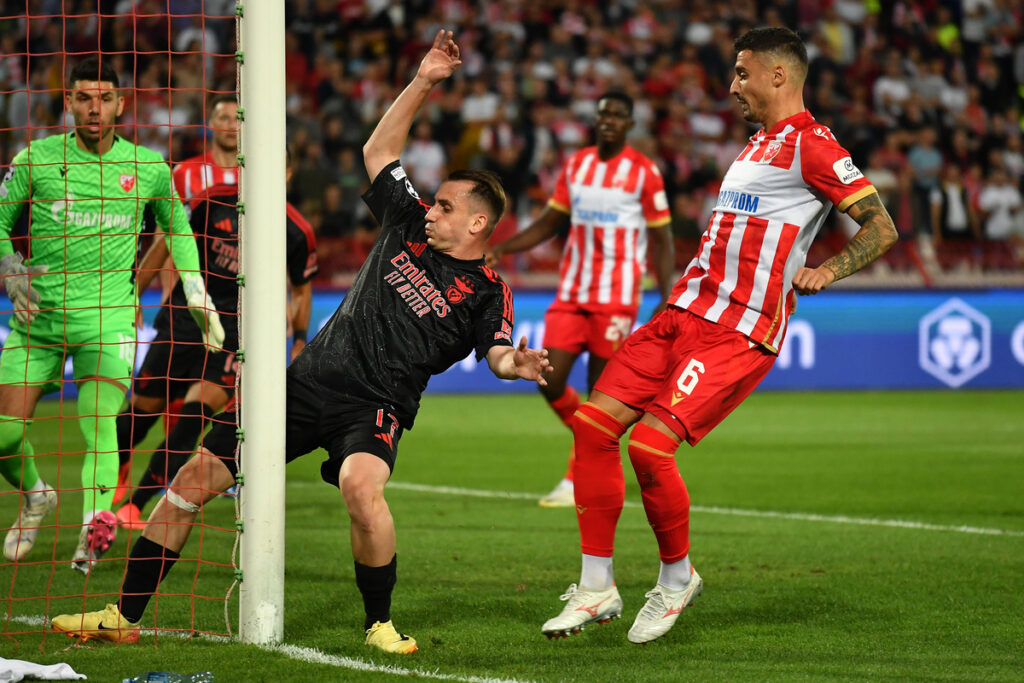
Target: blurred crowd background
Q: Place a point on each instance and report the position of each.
(928, 96)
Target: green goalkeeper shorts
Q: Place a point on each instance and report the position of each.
(36, 354)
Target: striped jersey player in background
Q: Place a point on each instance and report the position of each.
(683, 372)
(217, 165)
(612, 199)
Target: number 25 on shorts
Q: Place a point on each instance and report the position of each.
(687, 381)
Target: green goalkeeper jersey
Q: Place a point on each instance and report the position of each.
(86, 218)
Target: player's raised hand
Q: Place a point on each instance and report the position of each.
(17, 280)
(531, 363)
(812, 280)
(442, 60)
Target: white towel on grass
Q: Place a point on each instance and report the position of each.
(13, 670)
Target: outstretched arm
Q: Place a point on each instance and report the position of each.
(545, 227)
(877, 233)
(519, 362)
(388, 138)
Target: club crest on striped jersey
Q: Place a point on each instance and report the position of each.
(127, 182)
(774, 147)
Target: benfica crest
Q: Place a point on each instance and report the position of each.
(127, 182)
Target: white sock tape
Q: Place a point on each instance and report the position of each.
(176, 500)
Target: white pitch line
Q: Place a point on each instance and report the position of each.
(737, 512)
(307, 654)
(314, 656)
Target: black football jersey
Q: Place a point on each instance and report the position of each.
(214, 222)
(412, 312)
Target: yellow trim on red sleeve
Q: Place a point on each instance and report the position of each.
(660, 222)
(855, 197)
(558, 206)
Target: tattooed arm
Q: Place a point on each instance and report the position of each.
(877, 233)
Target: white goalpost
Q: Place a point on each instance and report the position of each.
(262, 327)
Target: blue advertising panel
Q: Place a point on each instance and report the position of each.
(836, 340)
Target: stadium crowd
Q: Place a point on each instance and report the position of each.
(927, 95)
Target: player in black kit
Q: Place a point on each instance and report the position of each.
(177, 364)
(422, 301)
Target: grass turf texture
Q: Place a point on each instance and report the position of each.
(785, 599)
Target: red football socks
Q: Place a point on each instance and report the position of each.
(666, 500)
(600, 484)
(565, 407)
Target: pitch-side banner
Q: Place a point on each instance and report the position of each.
(836, 340)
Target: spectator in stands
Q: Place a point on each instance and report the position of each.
(955, 224)
(1000, 202)
(424, 159)
(925, 162)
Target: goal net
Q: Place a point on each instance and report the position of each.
(99, 383)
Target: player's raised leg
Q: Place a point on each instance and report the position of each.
(203, 400)
(600, 493)
(156, 551)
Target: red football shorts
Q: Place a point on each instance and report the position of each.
(686, 371)
(573, 328)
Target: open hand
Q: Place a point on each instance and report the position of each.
(531, 363)
(442, 59)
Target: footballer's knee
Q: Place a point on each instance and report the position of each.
(200, 479)
(363, 499)
(361, 480)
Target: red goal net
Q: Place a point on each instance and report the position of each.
(105, 380)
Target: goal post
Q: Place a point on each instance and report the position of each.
(262, 309)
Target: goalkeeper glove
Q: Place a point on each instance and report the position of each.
(203, 311)
(17, 280)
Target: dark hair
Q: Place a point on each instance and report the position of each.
(775, 40)
(93, 69)
(487, 187)
(621, 97)
(221, 99)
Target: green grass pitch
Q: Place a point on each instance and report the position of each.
(800, 584)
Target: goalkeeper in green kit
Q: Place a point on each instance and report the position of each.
(87, 190)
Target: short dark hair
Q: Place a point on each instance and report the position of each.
(487, 187)
(94, 68)
(221, 99)
(619, 96)
(776, 40)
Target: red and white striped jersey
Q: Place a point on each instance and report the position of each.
(774, 199)
(195, 175)
(610, 205)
